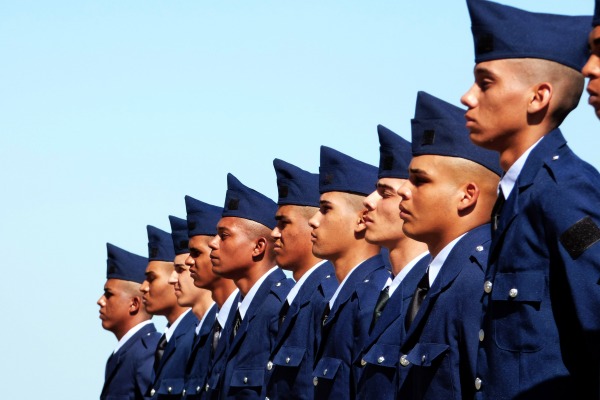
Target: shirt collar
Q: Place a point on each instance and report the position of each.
(245, 303)
(130, 333)
(199, 326)
(509, 179)
(339, 288)
(170, 329)
(292, 294)
(436, 264)
(393, 284)
(223, 313)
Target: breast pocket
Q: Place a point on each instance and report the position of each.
(518, 322)
(431, 371)
(247, 378)
(289, 356)
(382, 355)
(327, 368)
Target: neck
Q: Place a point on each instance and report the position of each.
(253, 274)
(122, 331)
(175, 313)
(221, 292)
(305, 266)
(202, 305)
(406, 251)
(344, 263)
(518, 145)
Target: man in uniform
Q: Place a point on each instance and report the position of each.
(338, 235)
(129, 367)
(446, 203)
(188, 295)
(591, 69)
(378, 361)
(541, 327)
(159, 298)
(242, 251)
(289, 370)
(209, 349)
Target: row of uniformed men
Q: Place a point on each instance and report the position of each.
(470, 309)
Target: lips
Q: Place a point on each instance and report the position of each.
(403, 212)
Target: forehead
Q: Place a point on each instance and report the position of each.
(199, 241)
(230, 223)
(288, 210)
(159, 268)
(429, 164)
(112, 284)
(393, 183)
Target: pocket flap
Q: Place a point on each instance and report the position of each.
(289, 356)
(247, 377)
(385, 355)
(519, 287)
(327, 368)
(424, 354)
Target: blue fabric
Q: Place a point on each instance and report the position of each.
(293, 355)
(596, 19)
(171, 369)
(243, 202)
(439, 128)
(121, 264)
(545, 341)
(296, 186)
(202, 218)
(346, 330)
(199, 360)
(501, 32)
(395, 154)
(378, 362)
(179, 235)
(341, 173)
(160, 245)
(441, 343)
(129, 370)
(244, 373)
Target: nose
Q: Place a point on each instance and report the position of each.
(101, 301)
(174, 277)
(213, 244)
(313, 222)
(468, 99)
(189, 261)
(370, 202)
(404, 191)
(276, 233)
(592, 67)
(144, 287)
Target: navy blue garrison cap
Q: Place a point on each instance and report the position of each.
(160, 245)
(439, 129)
(341, 173)
(179, 235)
(296, 186)
(124, 265)
(501, 32)
(394, 154)
(202, 218)
(243, 202)
(596, 20)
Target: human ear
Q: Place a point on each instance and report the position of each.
(470, 194)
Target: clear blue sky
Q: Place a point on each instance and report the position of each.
(112, 111)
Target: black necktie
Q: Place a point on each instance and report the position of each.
(325, 314)
(215, 335)
(236, 324)
(382, 300)
(283, 313)
(417, 300)
(497, 209)
(160, 349)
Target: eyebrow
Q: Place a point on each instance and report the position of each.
(383, 186)
(483, 71)
(417, 171)
(324, 202)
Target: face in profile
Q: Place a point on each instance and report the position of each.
(429, 199)
(186, 292)
(382, 219)
(497, 104)
(116, 304)
(199, 263)
(158, 295)
(334, 225)
(292, 236)
(231, 248)
(591, 70)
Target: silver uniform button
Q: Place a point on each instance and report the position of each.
(555, 158)
(169, 389)
(315, 381)
(278, 284)
(183, 393)
(477, 383)
(366, 280)
(245, 379)
(363, 362)
(152, 392)
(404, 361)
(198, 388)
(479, 248)
(423, 358)
(325, 371)
(269, 366)
(380, 359)
(481, 335)
(287, 360)
(327, 277)
(487, 286)
(207, 387)
(513, 292)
